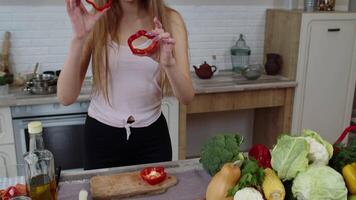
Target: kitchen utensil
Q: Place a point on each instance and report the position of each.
(50, 72)
(252, 72)
(205, 71)
(5, 53)
(42, 84)
(273, 64)
(36, 68)
(126, 185)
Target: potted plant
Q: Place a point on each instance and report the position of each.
(4, 86)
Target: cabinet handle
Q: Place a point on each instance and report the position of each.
(334, 30)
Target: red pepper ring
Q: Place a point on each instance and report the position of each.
(9, 193)
(153, 175)
(146, 51)
(105, 6)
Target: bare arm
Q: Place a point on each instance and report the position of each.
(72, 75)
(177, 67)
(76, 64)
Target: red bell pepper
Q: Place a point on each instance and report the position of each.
(262, 154)
(153, 175)
(146, 51)
(9, 193)
(96, 7)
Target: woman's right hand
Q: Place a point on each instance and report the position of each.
(82, 21)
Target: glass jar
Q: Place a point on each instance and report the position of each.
(240, 55)
(309, 5)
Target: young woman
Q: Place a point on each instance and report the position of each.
(125, 125)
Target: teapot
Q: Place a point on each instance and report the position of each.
(205, 71)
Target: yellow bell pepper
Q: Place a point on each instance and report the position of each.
(272, 186)
(349, 173)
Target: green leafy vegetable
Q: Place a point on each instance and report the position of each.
(319, 182)
(290, 156)
(251, 176)
(219, 150)
(316, 136)
(3, 80)
(346, 155)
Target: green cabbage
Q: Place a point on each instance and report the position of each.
(319, 182)
(290, 156)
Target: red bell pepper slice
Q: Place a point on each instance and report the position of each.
(262, 154)
(153, 175)
(10, 192)
(146, 51)
(96, 7)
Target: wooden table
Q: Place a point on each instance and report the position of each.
(270, 97)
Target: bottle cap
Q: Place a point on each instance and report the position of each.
(35, 127)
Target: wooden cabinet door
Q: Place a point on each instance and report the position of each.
(328, 84)
(6, 131)
(7, 160)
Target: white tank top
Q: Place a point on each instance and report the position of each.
(133, 90)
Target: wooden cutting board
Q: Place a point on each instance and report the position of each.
(125, 185)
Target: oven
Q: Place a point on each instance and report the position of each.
(63, 131)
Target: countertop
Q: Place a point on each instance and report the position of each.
(192, 181)
(228, 81)
(224, 81)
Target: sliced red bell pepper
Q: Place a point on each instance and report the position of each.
(153, 175)
(10, 192)
(262, 154)
(98, 8)
(146, 51)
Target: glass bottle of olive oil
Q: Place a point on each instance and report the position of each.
(39, 166)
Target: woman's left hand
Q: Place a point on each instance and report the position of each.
(164, 54)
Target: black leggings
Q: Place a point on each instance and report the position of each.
(107, 146)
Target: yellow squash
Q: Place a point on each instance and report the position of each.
(222, 181)
(272, 186)
(349, 173)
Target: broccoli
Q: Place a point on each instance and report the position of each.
(219, 150)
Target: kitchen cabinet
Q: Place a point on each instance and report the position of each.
(6, 131)
(269, 98)
(7, 160)
(321, 51)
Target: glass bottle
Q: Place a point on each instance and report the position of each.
(40, 173)
(240, 55)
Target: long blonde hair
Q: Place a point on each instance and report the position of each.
(108, 26)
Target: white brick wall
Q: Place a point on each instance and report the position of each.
(42, 33)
